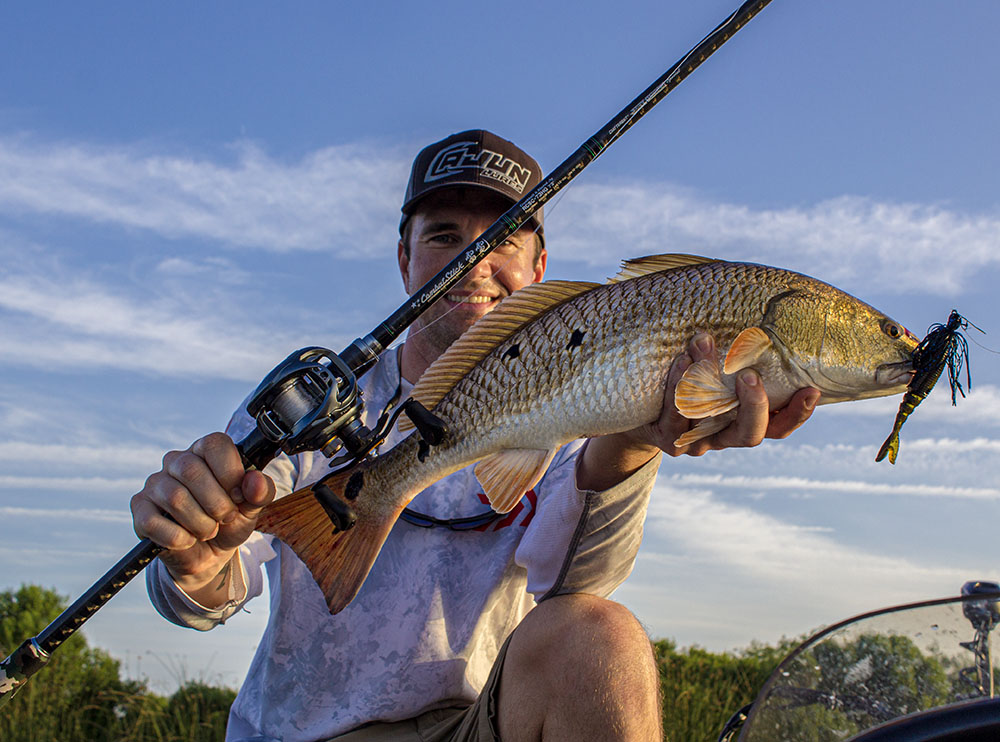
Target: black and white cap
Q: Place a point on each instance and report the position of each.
(474, 158)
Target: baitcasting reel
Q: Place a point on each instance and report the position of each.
(311, 402)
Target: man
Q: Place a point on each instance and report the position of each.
(425, 636)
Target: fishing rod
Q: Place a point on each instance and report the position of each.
(311, 400)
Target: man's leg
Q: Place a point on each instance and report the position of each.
(579, 668)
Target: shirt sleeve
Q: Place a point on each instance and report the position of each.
(582, 541)
(171, 602)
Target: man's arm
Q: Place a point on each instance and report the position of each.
(610, 459)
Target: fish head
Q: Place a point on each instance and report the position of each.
(839, 344)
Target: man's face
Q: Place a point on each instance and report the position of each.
(441, 226)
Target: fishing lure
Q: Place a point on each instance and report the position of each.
(944, 346)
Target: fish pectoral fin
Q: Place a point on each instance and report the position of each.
(704, 428)
(746, 349)
(701, 392)
(507, 475)
(338, 561)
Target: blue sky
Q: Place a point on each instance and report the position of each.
(189, 192)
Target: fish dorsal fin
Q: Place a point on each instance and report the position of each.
(507, 475)
(478, 341)
(655, 263)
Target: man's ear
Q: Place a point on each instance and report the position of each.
(543, 260)
(404, 266)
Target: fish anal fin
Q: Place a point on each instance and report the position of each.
(746, 349)
(706, 427)
(490, 331)
(655, 263)
(507, 475)
(701, 392)
(339, 562)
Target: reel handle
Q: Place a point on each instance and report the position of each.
(256, 450)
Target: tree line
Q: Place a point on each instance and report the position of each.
(81, 694)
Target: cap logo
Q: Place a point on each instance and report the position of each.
(468, 156)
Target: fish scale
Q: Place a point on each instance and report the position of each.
(562, 360)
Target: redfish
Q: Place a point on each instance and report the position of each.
(562, 360)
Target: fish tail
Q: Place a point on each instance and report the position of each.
(339, 560)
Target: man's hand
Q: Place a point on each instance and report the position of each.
(608, 460)
(201, 506)
(754, 421)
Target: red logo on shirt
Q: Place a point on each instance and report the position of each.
(525, 507)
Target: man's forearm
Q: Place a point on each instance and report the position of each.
(610, 459)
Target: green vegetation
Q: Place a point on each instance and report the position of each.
(702, 689)
(80, 695)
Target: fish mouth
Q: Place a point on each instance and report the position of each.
(894, 374)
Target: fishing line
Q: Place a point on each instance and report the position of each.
(983, 347)
(980, 345)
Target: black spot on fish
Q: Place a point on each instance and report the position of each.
(423, 448)
(512, 352)
(575, 340)
(354, 485)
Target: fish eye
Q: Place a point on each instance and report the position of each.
(891, 329)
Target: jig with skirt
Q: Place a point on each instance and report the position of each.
(944, 346)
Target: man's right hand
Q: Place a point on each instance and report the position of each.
(201, 506)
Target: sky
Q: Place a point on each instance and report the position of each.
(189, 192)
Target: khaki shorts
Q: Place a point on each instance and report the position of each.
(475, 723)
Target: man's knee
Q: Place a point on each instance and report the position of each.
(577, 631)
(580, 660)
(585, 618)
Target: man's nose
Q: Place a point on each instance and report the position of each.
(487, 267)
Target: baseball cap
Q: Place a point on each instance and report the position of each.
(475, 158)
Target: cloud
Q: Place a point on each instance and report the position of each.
(67, 514)
(63, 319)
(900, 247)
(951, 446)
(980, 406)
(344, 198)
(53, 559)
(85, 484)
(119, 456)
(836, 485)
(720, 575)
(765, 549)
(213, 268)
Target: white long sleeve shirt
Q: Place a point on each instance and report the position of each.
(425, 627)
